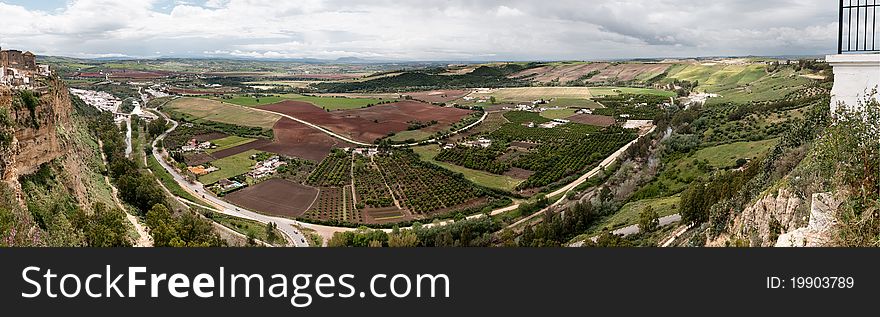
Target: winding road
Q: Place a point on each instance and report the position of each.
(290, 227)
(197, 189)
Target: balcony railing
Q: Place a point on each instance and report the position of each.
(857, 27)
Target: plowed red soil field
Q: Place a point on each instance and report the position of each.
(275, 197)
(373, 123)
(296, 139)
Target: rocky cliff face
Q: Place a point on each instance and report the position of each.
(36, 130)
(760, 224)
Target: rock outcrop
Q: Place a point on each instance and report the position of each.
(762, 222)
(818, 232)
(35, 133)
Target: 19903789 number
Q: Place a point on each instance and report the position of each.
(811, 282)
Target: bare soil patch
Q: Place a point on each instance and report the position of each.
(276, 197)
(299, 140)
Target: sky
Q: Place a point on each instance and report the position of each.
(428, 30)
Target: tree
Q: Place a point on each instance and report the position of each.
(161, 226)
(492, 100)
(403, 239)
(271, 233)
(649, 221)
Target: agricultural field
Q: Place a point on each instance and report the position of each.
(229, 142)
(230, 167)
(525, 94)
(199, 110)
(323, 102)
(370, 187)
(561, 113)
(614, 91)
(428, 153)
(632, 107)
(334, 171)
(517, 129)
(425, 188)
(586, 73)
(334, 204)
(557, 159)
(275, 197)
(374, 123)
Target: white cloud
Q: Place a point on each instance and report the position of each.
(423, 30)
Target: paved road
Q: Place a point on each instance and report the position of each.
(287, 225)
(219, 205)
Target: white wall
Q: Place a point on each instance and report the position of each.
(855, 76)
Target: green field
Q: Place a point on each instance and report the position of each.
(559, 113)
(230, 166)
(502, 182)
(330, 103)
(613, 91)
(726, 155)
(417, 135)
(252, 101)
(212, 110)
(168, 181)
(683, 169)
(629, 213)
(229, 142)
(334, 103)
(574, 102)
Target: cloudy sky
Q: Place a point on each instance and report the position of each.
(466, 30)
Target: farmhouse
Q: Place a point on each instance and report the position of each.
(267, 167)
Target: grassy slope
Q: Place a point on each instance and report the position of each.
(629, 213)
(507, 183)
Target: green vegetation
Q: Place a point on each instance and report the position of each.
(252, 101)
(558, 113)
(613, 91)
(629, 213)
(425, 187)
(230, 166)
(199, 110)
(464, 233)
(336, 103)
(168, 181)
(248, 228)
(483, 76)
(229, 142)
(334, 170)
(428, 153)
